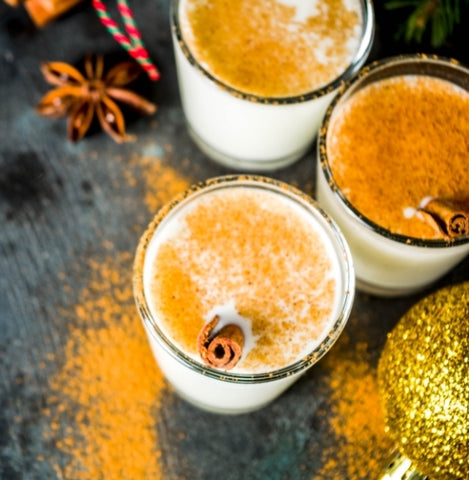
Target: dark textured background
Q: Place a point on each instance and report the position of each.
(59, 202)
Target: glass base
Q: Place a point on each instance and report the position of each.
(218, 410)
(382, 291)
(244, 164)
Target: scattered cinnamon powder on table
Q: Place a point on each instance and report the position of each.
(109, 385)
(162, 182)
(103, 399)
(360, 446)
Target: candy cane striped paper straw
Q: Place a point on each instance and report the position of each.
(132, 43)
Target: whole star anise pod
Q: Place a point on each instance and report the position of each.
(82, 97)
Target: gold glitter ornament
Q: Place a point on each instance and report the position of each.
(423, 378)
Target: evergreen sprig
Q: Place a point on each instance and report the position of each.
(440, 17)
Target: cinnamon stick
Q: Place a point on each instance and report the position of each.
(14, 3)
(452, 220)
(43, 12)
(222, 348)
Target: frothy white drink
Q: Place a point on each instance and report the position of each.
(393, 171)
(257, 75)
(259, 257)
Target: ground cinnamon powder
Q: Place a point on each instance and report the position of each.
(162, 182)
(398, 142)
(108, 386)
(103, 399)
(273, 48)
(355, 420)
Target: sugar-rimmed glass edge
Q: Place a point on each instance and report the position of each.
(379, 70)
(366, 43)
(343, 256)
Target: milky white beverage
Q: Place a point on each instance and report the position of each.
(256, 76)
(393, 171)
(260, 257)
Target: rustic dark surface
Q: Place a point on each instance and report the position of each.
(60, 203)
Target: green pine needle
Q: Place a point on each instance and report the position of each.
(440, 17)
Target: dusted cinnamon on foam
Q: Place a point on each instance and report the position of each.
(399, 141)
(255, 250)
(272, 48)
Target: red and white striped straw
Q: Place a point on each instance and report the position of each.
(132, 43)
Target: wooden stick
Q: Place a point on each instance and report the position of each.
(222, 349)
(43, 12)
(452, 220)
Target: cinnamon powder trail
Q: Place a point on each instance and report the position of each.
(162, 182)
(360, 446)
(103, 400)
(108, 387)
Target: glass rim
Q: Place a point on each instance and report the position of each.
(347, 88)
(343, 307)
(366, 43)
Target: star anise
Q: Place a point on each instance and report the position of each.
(82, 97)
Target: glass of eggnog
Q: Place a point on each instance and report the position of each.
(393, 170)
(242, 284)
(256, 76)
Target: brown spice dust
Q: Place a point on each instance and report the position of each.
(108, 386)
(102, 401)
(356, 420)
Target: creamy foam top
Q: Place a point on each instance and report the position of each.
(273, 48)
(250, 254)
(397, 143)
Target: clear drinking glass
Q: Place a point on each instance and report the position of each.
(387, 263)
(243, 389)
(247, 131)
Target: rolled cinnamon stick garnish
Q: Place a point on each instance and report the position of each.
(14, 3)
(452, 220)
(43, 12)
(222, 348)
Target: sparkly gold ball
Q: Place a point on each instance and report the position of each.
(423, 376)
